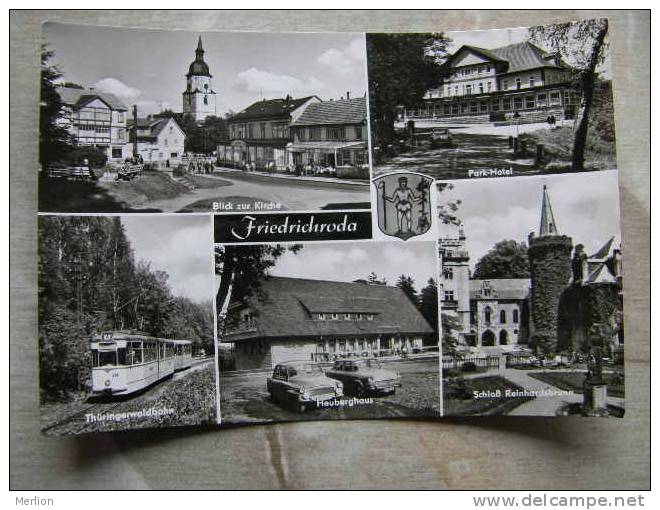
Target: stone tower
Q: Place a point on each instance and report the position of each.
(199, 97)
(550, 270)
(455, 280)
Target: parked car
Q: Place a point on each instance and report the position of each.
(441, 137)
(363, 377)
(301, 384)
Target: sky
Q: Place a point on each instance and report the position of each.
(180, 245)
(350, 261)
(585, 207)
(148, 67)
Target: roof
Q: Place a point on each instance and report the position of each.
(287, 305)
(198, 67)
(154, 124)
(271, 108)
(501, 288)
(519, 56)
(344, 111)
(78, 98)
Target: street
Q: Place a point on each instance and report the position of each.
(247, 191)
(473, 151)
(245, 399)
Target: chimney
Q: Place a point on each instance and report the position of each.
(348, 95)
(135, 132)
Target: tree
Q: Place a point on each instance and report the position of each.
(402, 68)
(241, 269)
(584, 44)
(428, 303)
(54, 140)
(407, 285)
(507, 259)
(450, 325)
(447, 209)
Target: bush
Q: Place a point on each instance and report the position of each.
(469, 366)
(97, 158)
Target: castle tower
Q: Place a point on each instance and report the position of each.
(455, 280)
(550, 270)
(199, 97)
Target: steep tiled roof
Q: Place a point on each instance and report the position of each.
(502, 288)
(520, 56)
(344, 111)
(270, 108)
(154, 124)
(80, 97)
(287, 305)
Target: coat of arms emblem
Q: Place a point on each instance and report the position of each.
(404, 204)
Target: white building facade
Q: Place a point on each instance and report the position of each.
(159, 140)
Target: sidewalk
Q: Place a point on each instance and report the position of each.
(219, 169)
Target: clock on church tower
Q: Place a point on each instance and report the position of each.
(199, 97)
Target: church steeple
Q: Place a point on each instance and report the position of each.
(199, 52)
(548, 226)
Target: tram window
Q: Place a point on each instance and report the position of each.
(134, 353)
(104, 358)
(121, 356)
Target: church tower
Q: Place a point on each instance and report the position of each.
(549, 255)
(199, 97)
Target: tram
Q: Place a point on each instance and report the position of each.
(124, 362)
(182, 354)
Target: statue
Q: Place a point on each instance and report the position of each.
(578, 264)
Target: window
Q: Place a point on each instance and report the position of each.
(206, 101)
(517, 103)
(515, 317)
(448, 273)
(314, 134)
(473, 107)
(370, 316)
(506, 103)
(518, 83)
(116, 153)
(321, 316)
(348, 316)
(489, 85)
(503, 317)
(206, 86)
(488, 68)
(446, 109)
(505, 84)
(335, 316)
(121, 117)
(481, 88)
(358, 132)
(530, 101)
(468, 90)
(495, 105)
(262, 130)
(449, 295)
(483, 107)
(541, 100)
(487, 314)
(554, 98)
(336, 133)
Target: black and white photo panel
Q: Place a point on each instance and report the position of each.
(319, 331)
(126, 322)
(531, 294)
(177, 121)
(492, 103)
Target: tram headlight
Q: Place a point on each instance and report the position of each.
(108, 382)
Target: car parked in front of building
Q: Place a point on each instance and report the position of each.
(301, 385)
(364, 377)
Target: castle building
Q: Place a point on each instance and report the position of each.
(317, 320)
(553, 311)
(519, 81)
(199, 99)
(95, 119)
(549, 255)
(491, 313)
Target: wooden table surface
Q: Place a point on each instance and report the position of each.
(486, 453)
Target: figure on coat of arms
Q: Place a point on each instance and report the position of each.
(410, 220)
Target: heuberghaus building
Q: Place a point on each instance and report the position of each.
(301, 319)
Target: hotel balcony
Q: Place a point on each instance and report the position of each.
(234, 332)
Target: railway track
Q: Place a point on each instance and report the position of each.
(95, 408)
